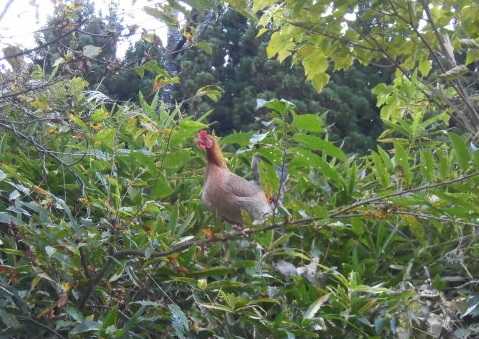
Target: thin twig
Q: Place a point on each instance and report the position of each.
(444, 219)
(44, 150)
(39, 324)
(84, 262)
(337, 214)
(5, 9)
(456, 84)
(246, 232)
(93, 282)
(29, 89)
(404, 192)
(48, 43)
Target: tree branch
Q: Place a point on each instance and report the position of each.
(404, 192)
(5, 9)
(92, 282)
(48, 43)
(44, 150)
(337, 214)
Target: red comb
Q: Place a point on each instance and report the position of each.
(202, 133)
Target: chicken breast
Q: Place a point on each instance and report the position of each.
(227, 194)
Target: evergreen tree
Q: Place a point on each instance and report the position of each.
(82, 43)
(232, 57)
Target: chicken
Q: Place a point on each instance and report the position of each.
(227, 194)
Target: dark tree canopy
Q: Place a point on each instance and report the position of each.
(234, 59)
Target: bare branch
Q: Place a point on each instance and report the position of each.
(5, 9)
(48, 43)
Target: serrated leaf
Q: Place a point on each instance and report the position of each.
(319, 81)
(380, 170)
(280, 45)
(427, 164)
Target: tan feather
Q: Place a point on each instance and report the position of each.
(227, 194)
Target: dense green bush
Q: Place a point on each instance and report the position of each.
(103, 233)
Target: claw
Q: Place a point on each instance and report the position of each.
(241, 229)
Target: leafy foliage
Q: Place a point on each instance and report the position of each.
(109, 238)
(231, 56)
(103, 234)
(425, 41)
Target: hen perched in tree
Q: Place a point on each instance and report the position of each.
(227, 194)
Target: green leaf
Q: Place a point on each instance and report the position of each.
(191, 125)
(380, 170)
(427, 164)
(211, 91)
(425, 66)
(106, 137)
(472, 56)
(402, 160)
(319, 80)
(306, 158)
(314, 307)
(177, 159)
(74, 313)
(86, 326)
(161, 188)
(308, 122)
(206, 47)
(460, 149)
(179, 321)
(281, 106)
(9, 319)
(443, 163)
(239, 138)
(258, 5)
(2, 175)
(317, 143)
(99, 115)
(212, 271)
(111, 317)
(268, 178)
(280, 45)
